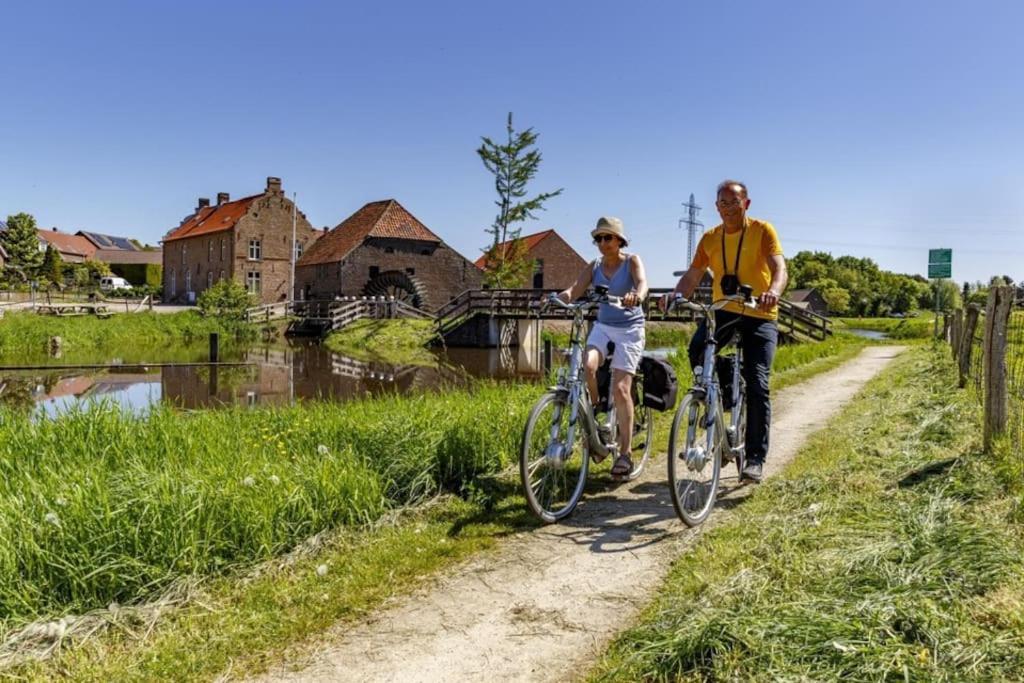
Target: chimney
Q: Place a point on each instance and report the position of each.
(223, 198)
(54, 228)
(273, 185)
(203, 203)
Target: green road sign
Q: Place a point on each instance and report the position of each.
(940, 263)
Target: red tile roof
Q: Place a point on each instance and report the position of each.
(531, 242)
(385, 218)
(212, 219)
(68, 244)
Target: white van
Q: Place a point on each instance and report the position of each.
(109, 282)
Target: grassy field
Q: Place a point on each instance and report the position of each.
(891, 549)
(399, 342)
(24, 336)
(921, 327)
(99, 507)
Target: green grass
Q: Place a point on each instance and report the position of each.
(141, 506)
(399, 342)
(889, 550)
(24, 336)
(921, 327)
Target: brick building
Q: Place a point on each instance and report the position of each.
(809, 300)
(383, 250)
(247, 240)
(556, 264)
(72, 248)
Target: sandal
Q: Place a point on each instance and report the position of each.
(623, 466)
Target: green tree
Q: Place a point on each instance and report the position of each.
(513, 164)
(53, 266)
(838, 300)
(21, 241)
(96, 269)
(226, 299)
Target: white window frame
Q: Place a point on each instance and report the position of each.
(255, 250)
(209, 278)
(174, 282)
(188, 282)
(253, 277)
(221, 248)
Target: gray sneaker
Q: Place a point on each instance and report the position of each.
(753, 471)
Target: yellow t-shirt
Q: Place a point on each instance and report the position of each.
(759, 242)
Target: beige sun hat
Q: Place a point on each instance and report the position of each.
(610, 225)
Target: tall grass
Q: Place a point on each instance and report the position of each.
(877, 555)
(99, 506)
(921, 327)
(24, 336)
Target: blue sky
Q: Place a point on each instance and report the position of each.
(878, 129)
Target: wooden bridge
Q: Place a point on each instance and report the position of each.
(480, 307)
(318, 318)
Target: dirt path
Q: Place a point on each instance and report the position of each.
(543, 605)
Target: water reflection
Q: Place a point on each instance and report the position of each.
(266, 376)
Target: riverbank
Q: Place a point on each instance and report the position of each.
(25, 336)
(891, 548)
(218, 512)
(908, 329)
(398, 342)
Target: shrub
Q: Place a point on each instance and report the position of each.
(226, 299)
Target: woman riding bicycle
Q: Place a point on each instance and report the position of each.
(620, 327)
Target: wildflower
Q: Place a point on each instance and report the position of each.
(323, 450)
(274, 479)
(52, 518)
(249, 481)
(61, 502)
(321, 570)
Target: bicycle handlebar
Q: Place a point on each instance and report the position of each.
(592, 299)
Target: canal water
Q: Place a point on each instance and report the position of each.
(261, 376)
(867, 334)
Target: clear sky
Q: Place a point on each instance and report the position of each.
(877, 129)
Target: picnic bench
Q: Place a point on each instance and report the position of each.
(67, 309)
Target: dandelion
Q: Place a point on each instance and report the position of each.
(321, 570)
(249, 481)
(323, 450)
(52, 518)
(274, 479)
(61, 502)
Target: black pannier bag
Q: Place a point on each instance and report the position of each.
(724, 368)
(660, 384)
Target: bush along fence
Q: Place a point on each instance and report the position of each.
(988, 345)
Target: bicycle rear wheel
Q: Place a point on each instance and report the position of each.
(694, 461)
(552, 470)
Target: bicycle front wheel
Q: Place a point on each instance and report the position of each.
(694, 461)
(553, 470)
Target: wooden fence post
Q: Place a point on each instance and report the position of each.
(967, 342)
(1000, 302)
(956, 332)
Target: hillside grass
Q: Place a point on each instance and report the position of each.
(890, 549)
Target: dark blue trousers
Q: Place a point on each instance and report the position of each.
(758, 340)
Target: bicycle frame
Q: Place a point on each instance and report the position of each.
(574, 383)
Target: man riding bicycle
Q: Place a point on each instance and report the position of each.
(742, 251)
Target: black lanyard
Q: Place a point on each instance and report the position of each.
(739, 250)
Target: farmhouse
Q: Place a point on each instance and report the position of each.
(556, 265)
(247, 240)
(383, 250)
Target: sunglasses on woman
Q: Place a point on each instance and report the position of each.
(603, 238)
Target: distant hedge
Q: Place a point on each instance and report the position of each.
(139, 273)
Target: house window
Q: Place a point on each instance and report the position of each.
(425, 252)
(188, 282)
(252, 282)
(174, 283)
(298, 250)
(374, 271)
(538, 274)
(209, 275)
(389, 250)
(255, 250)
(222, 275)
(222, 253)
(182, 253)
(209, 256)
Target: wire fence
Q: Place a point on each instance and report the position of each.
(990, 355)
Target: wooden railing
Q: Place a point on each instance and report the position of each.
(795, 322)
